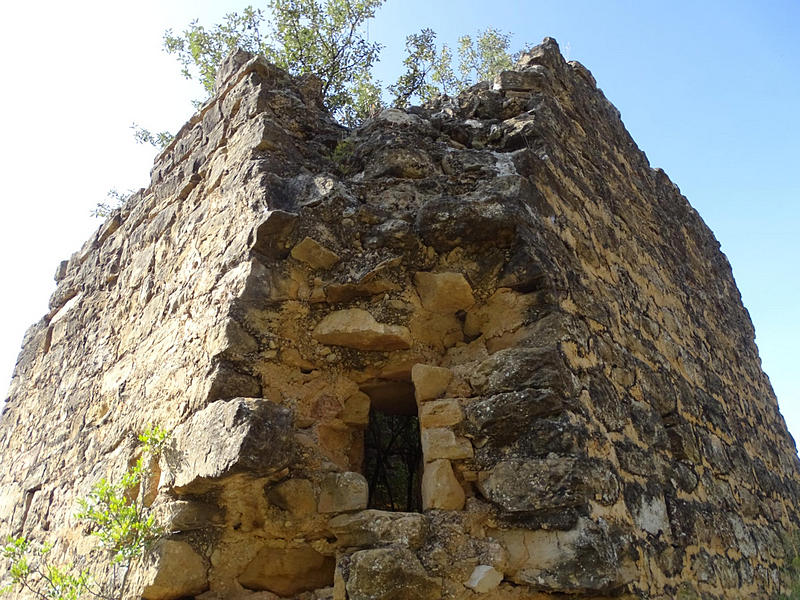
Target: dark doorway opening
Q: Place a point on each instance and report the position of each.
(392, 449)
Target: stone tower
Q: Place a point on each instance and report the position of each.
(477, 349)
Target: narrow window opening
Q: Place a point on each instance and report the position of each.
(392, 449)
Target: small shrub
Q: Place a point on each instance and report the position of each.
(117, 514)
(30, 570)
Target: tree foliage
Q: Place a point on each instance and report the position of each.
(118, 514)
(30, 570)
(420, 62)
(118, 511)
(328, 38)
(324, 38)
(484, 56)
(114, 200)
(432, 71)
(160, 139)
(200, 51)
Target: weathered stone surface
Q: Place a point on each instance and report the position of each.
(288, 571)
(440, 442)
(376, 527)
(430, 382)
(440, 488)
(440, 413)
(271, 236)
(356, 410)
(584, 559)
(356, 328)
(550, 484)
(444, 292)
(243, 435)
(314, 254)
(521, 368)
(342, 492)
(179, 572)
(503, 418)
(294, 495)
(608, 430)
(189, 515)
(526, 81)
(388, 574)
(406, 163)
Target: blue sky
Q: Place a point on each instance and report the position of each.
(709, 90)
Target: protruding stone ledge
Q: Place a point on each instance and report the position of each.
(548, 484)
(228, 437)
(356, 328)
(379, 527)
(533, 78)
(288, 571)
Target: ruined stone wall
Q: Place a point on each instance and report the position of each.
(593, 415)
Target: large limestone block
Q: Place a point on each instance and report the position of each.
(519, 368)
(489, 214)
(440, 442)
(443, 292)
(243, 435)
(430, 382)
(501, 418)
(407, 163)
(378, 527)
(314, 254)
(549, 484)
(343, 492)
(179, 572)
(288, 571)
(589, 558)
(356, 328)
(294, 495)
(504, 312)
(440, 413)
(356, 410)
(524, 81)
(389, 574)
(188, 515)
(229, 336)
(440, 488)
(437, 330)
(272, 234)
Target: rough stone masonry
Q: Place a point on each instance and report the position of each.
(504, 266)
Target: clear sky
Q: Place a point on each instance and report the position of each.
(709, 90)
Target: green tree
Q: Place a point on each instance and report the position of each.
(484, 56)
(160, 139)
(324, 38)
(430, 72)
(118, 514)
(420, 63)
(200, 51)
(327, 38)
(114, 200)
